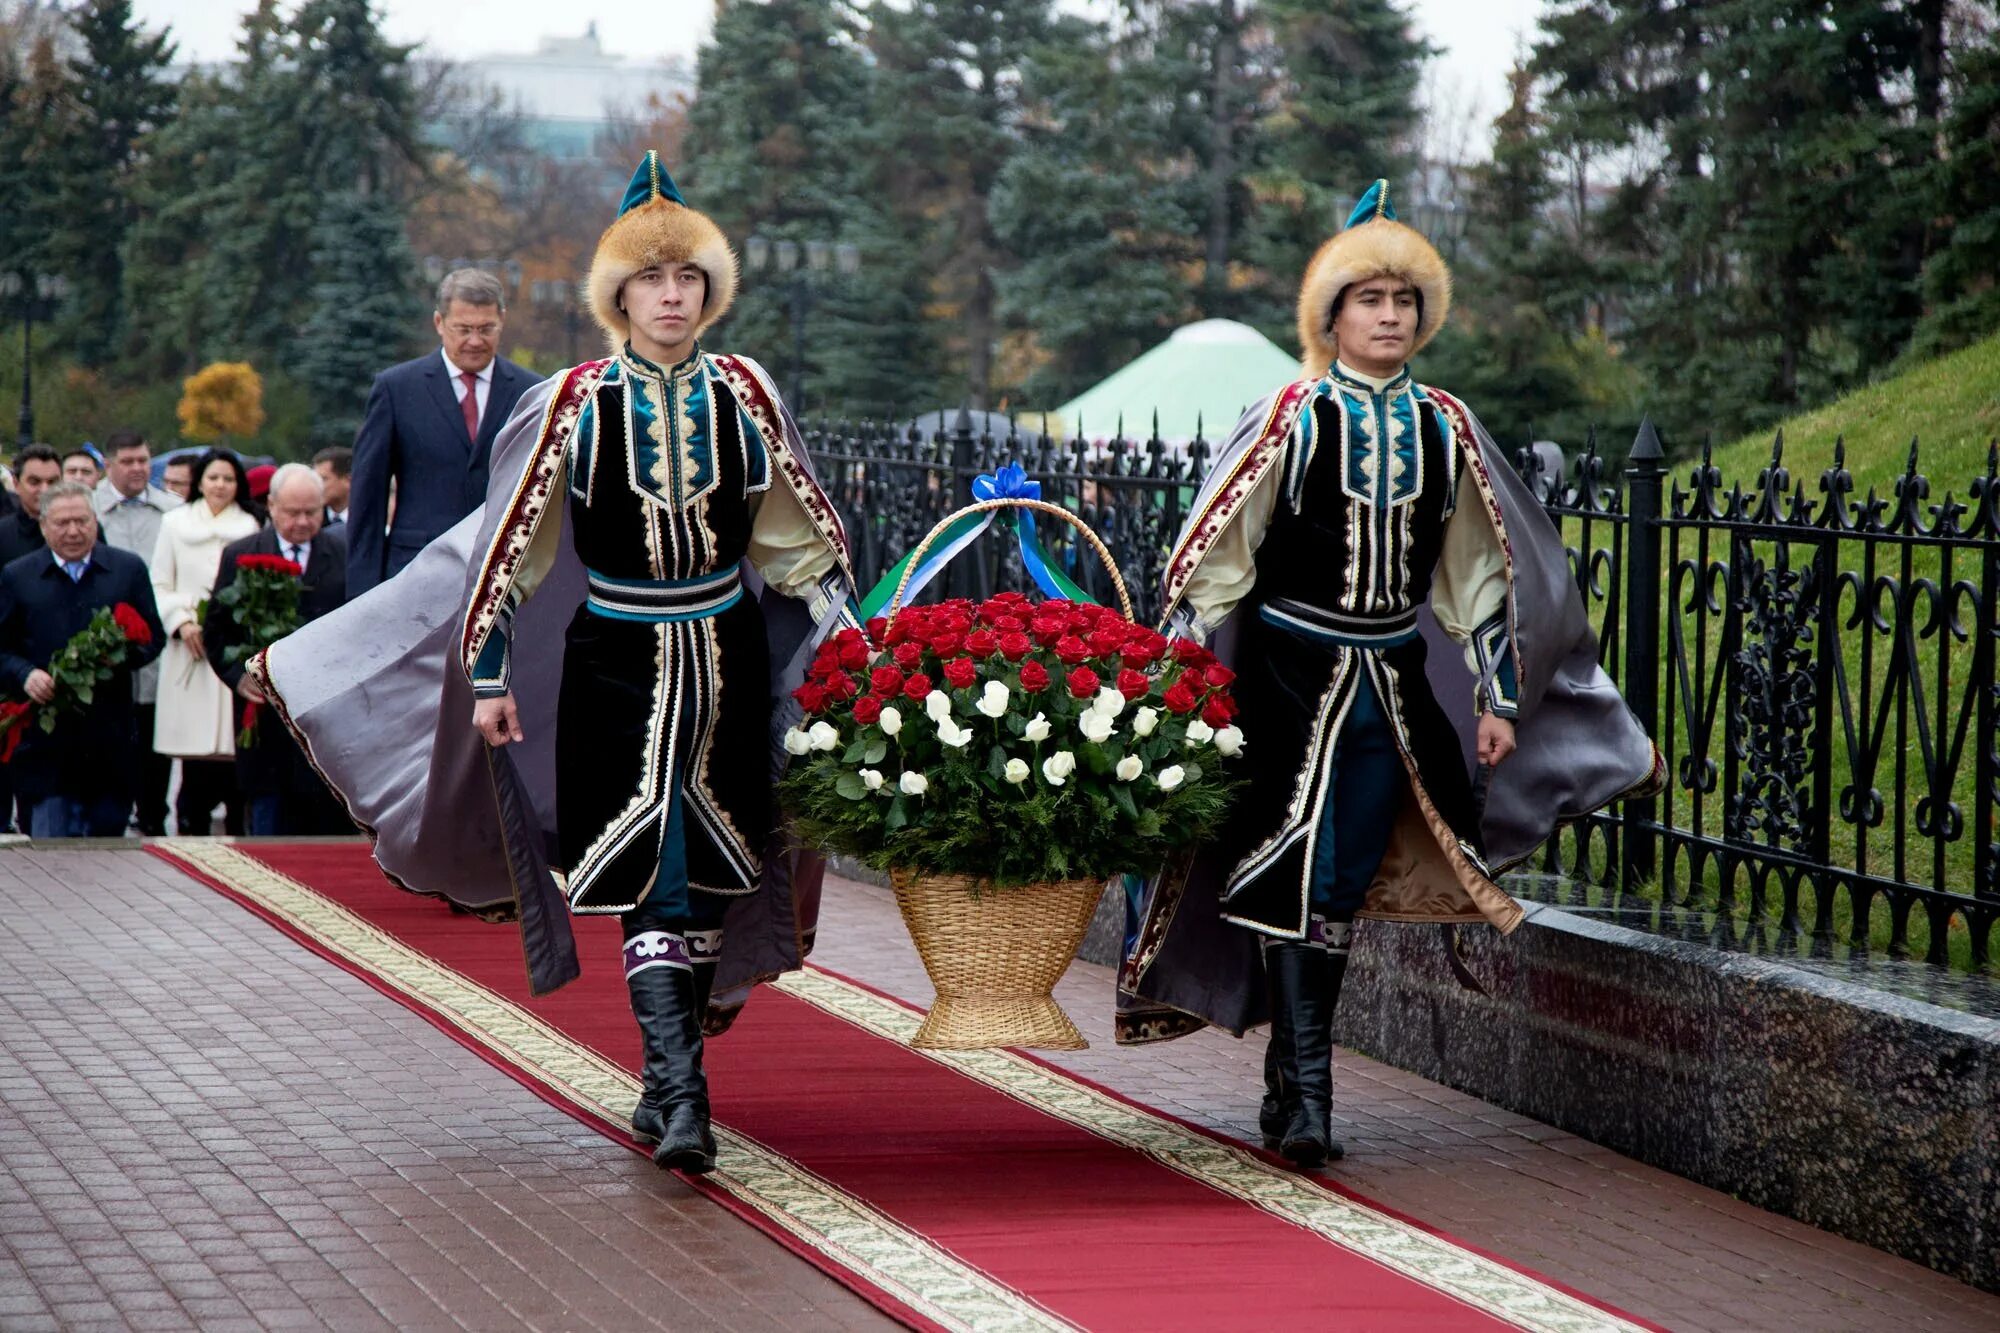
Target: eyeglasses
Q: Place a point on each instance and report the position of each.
(472, 330)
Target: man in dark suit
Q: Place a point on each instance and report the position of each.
(79, 780)
(285, 795)
(429, 428)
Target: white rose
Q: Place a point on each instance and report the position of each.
(891, 721)
(1199, 731)
(871, 778)
(797, 742)
(1058, 766)
(1017, 771)
(1130, 767)
(1096, 726)
(914, 784)
(823, 736)
(1144, 721)
(938, 704)
(1108, 702)
(1170, 777)
(1038, 728)
(993, 700)
(952, 734)
(1229, 740)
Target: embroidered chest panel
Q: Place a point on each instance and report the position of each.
(1370, 480)
(662, 472)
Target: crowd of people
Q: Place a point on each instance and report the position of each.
(173, 741)
(99, 527)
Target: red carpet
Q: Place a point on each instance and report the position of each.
(1093, 1233)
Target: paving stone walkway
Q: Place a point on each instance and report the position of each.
(203, 1125)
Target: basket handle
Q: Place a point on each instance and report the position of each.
(1040, 506)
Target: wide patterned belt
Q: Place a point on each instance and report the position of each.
(1341, 629)
(664, 601)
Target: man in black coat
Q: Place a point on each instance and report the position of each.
(429, 428)
(285, 796)
(36, 468)
(79, 780)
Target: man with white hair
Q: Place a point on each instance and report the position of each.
(283, 791)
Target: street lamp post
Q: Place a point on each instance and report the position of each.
(803, 266)
(38, 297)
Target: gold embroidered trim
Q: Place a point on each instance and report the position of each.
(816, 1212)
(1402, 1247)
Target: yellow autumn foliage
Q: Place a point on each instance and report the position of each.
(222, 398)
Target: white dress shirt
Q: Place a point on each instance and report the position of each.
(300, 555)
(483, 381)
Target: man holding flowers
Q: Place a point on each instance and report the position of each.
(76, 621)
(1352, 515)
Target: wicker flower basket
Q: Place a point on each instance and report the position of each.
(995, 956)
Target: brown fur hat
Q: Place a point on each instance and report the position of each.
(1373, 245)
(655, 226)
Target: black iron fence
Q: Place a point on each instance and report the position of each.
(1819, 668)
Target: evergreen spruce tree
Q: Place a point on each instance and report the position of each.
(1092, 205)
(360, 297)
(1962, 281)
(118, 96)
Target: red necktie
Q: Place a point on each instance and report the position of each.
(469, 405)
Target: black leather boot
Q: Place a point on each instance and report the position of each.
(673, 1109)
(1305, 980)
(1280, 1075)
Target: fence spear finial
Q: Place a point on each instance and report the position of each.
(1647, 448)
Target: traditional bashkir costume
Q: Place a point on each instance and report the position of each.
(1348, 520)
(610, 584)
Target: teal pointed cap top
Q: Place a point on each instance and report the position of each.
(1374, 204)
(649, 182)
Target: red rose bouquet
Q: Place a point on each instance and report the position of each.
(91, 657)
(1015, 741)
(263, 602)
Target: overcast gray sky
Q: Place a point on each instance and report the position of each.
(1480, 37)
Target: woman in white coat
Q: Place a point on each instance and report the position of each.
(194, 721)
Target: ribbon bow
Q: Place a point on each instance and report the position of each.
(1010, 481)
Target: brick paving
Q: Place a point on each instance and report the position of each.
(1649, 1242)
(203, 1125)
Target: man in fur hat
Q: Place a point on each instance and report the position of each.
(1353, 513)
(634, 500)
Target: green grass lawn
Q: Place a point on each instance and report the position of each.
(1952, 405)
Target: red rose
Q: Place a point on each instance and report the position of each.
(824, 669)
(917, 687)
(1083, 683)
(1133, 684)
(982, 643)
(909, 654)
(1047, 629)
(1015, 645)
(948, 643)
(854, 654)
(1071, 649)
(14, 718)
(1106, 640)
(898, 631)
(886, 681)
(878, 630)
(868, 710)
(1034, 677)
(1219, 712)
(131, 624)
(1181, 698)
(1009, 625)
(1190, 653)
(840, 687)
(811, 696)
(1218, 676)
(961, 673)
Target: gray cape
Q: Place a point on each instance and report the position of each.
(379, 701)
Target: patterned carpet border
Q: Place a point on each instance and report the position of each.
(839, 1232)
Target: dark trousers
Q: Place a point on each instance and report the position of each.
(205, 784)
(1363, 794)
(156, 774)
